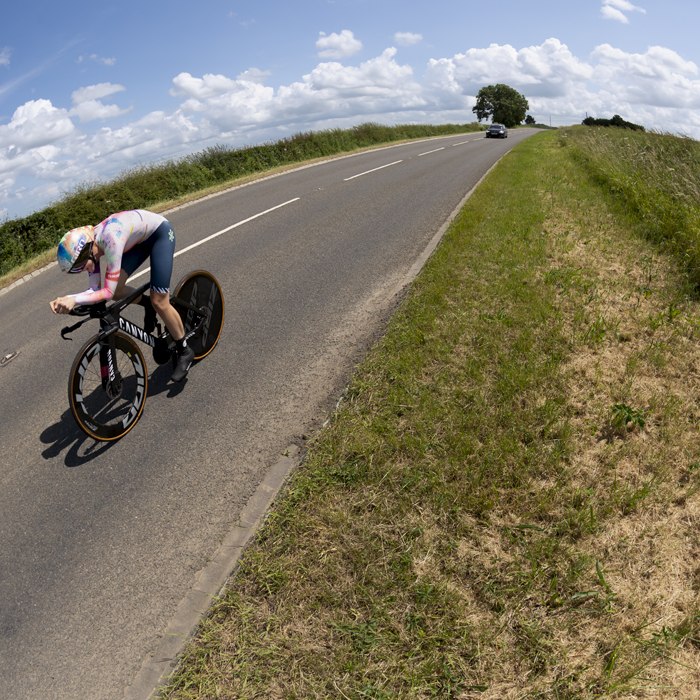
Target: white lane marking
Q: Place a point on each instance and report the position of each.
(428, 152)
(461, 143)
(396, 162)
(219, 233)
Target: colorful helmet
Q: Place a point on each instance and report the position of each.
(73, 251)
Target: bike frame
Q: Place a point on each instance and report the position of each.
(111, 321)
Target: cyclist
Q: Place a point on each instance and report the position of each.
(126, 240)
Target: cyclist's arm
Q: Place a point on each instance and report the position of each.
(64, 305)
(113, 246)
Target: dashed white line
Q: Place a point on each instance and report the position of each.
(373, 170)
(428, 152)
(219, 233)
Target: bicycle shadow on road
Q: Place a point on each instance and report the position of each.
(159, 382)
(65, 434)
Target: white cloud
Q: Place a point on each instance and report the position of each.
(202, 88)
(95, 92)
(407, 38)
(5, 56)
(340, 45)
(615, 9)
(44, 149)
(623, 5)
(548, 70)
(89, 110)
(659, 77)
(87, 104)
(612, 13)
(103, 61)
(34, 124)
(254, 75)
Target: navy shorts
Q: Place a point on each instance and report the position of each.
(160, 248)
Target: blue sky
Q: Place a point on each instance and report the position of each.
(89, 89)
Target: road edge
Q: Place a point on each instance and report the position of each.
(211, 581)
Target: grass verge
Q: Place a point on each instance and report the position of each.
(505, 505)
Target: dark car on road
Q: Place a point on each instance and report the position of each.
(497, 131)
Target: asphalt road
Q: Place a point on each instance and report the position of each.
(100, 542)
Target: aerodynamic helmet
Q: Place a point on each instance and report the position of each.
(74, 249)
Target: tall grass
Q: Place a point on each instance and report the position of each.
(654, 176)
(145, 186)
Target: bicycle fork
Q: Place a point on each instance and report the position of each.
(111, 377)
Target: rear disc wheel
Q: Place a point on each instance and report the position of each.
(201, 290)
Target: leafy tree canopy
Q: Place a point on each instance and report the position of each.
(617, 120)
(529, 119)
(502, 104)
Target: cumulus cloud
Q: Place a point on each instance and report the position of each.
(202, 88)
(659, 77)
(35, 124)
(340, 45)
(88, 106)
(44, 148)
(407, 38)
(615, 9)
(89, 110)
(548, 70)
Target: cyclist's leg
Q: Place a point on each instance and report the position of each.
(171, 318)
(162, 253)
(123, 289)
(131, 261)
(162, 250)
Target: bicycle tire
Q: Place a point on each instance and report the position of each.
(201, 289)
(99, 416)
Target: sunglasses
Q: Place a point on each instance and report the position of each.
(82, 260)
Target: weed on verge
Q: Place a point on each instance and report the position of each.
(506, 504)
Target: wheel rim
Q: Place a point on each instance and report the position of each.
(99, 415)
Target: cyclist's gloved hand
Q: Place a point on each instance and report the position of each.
(62, 305)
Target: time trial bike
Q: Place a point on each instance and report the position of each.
(108, 381)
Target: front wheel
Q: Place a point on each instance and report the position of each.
(107, 413)
(201, 290)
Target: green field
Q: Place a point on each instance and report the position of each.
(506, 503)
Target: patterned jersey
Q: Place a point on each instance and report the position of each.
(115, 235)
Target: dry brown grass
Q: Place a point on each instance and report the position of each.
(648, 358)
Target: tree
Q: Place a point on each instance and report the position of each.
(530, 119)
(617, 120)
(502, 104)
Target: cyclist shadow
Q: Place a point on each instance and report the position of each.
(159, 382)
(65, 434)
